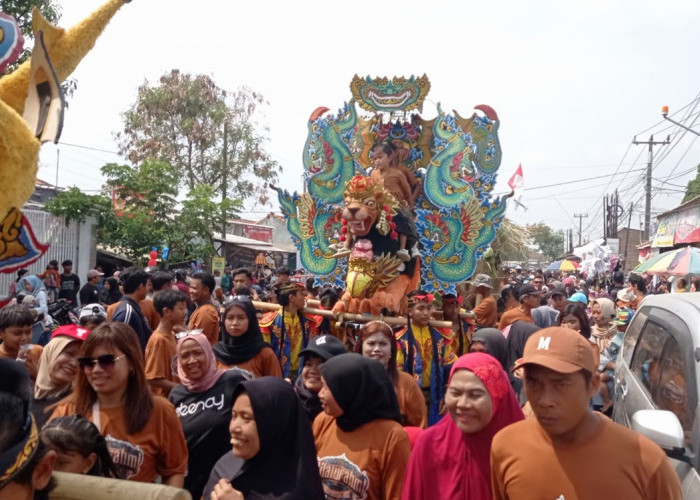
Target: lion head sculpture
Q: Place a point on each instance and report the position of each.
(367, 203)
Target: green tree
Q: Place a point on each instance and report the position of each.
(693, 189)
(549, 242)
(209, 136)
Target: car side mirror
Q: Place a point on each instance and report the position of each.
(662, 427)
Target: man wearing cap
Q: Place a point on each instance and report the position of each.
(307, 386)
(486, 311)
(426, 352)
(569, 451)
(92, 315)
(89, 293)
(529, 297)
(289, 330)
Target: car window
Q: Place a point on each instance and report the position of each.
(665, 370)
(632, 334)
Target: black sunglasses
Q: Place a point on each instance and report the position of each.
(106, 360)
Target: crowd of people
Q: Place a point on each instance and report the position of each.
(234, 390)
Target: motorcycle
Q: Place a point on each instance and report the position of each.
(62, 313)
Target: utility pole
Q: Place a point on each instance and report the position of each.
(647, 210)
(224, 183)
(580, 218)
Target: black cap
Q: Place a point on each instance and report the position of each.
(325, 347)
(528, 289)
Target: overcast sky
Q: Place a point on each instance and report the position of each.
(572, 83)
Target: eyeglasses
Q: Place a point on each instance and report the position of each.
(105, 361)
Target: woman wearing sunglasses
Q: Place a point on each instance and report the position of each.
(142, 431)
(242, 343)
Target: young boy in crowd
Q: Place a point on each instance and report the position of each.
(16, 323)
(161, 347)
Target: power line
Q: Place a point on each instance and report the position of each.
(573, 182)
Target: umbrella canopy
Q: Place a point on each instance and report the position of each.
(679, 262)
(563, 265)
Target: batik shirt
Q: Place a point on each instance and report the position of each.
(298, 329)
(426, 344)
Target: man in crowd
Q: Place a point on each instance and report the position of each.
(206, 315)
(134, 281)
(568, 450)
(529, 298)
(283, 275)
(243, 277)
(227, 282)
(70, 283)
(487, 311)
(462, 330)
(90, 294)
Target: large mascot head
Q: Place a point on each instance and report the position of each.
(367, 203)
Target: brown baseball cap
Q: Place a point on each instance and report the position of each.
(560, 349)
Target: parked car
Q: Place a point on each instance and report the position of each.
(657, 377)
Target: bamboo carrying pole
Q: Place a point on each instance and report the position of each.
(360, 318)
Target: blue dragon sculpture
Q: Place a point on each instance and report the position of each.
(456, 157)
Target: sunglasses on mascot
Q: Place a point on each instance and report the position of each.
(105, 361)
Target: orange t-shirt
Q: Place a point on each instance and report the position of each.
(411, 401)
(157, 449)
(512, 315)
(160, 351)
(206, 318)
(486, 312)
(368, 462)
(615, 462)
(111, 308)
(262, 364)
(149, 312)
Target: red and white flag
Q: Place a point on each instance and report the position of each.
(517, 180)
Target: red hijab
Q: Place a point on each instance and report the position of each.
(447, 463)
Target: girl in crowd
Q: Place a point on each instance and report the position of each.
(143, 432)
(603, 312)
(574, 317)
(242, 344)
(111, 293)
(58, 367)
(362, 448)
(273, 449)
(493, 342)
(79, 446)
(377, 341)
(451, 459)
(203, 401)
(320, 349)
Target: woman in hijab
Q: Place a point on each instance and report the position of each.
(111, 293)
(242, 343)
(451, 459)
(362, 448)
(603, 312)
(58, 367)
(491, 341)
(377, 341)
(32, 285)
(273, 449)
(203, 402)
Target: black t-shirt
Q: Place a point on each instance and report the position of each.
(205, 418)
(89, 294)
(70, 284)
(225, 468)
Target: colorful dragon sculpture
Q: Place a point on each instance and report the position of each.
(31, 112)
(457, 159)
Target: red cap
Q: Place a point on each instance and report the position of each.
(73, 331)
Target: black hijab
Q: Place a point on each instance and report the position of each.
(113, 295)
(362, 389)
(496, 344)
(233, 350)
(286, 466)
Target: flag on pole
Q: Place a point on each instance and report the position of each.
(516, 180)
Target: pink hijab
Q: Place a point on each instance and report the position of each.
(446, 463)
(212, 373)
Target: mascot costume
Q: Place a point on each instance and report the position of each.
(31, 112)
(345, 224)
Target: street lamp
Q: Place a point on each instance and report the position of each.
(664, 113)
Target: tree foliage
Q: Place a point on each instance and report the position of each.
(183, 120)
(693, 188)
(549, 242)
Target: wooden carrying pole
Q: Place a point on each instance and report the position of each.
(360, 318)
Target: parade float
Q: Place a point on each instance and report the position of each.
(31, 112)
(344, 223)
